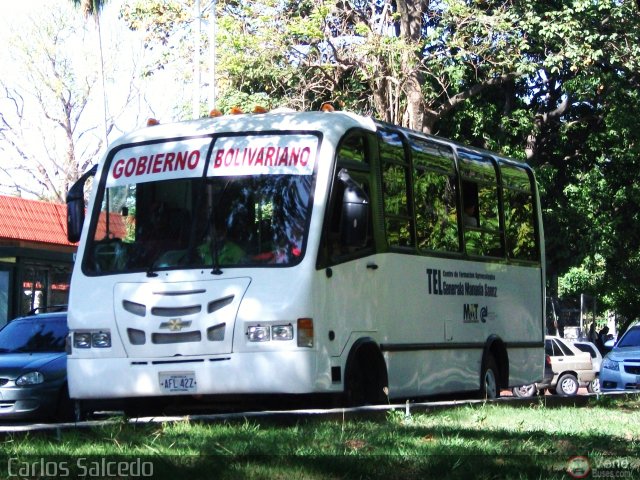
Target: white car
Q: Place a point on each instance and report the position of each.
(596, 360)
(571, 369)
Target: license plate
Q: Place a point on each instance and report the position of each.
(178, 382)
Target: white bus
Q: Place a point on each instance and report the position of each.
(304, 253)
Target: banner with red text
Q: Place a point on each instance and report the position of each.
(159, 161)
(264, 155)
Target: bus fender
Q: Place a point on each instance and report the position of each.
(365, 378)
(495, 348)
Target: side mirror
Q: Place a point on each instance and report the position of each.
(354, 222)
(75, 206)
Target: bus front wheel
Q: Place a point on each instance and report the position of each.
(365, 381)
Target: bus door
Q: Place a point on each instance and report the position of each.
(349, 303)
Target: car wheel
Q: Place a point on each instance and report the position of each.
(567, 385)
(525, 391)
(489, 380)
(594, 386)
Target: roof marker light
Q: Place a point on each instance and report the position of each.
(327, 107)
(259, 109)
(215, 113)
(152, 121)
(235, 111)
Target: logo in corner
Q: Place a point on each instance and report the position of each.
(579, 467)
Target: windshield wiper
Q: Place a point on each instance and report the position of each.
(213, 245)
(150, 270)
(215, 242)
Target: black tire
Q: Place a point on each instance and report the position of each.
(525, 391)
(364, 382)
(65, 411)
(489, 389)
(80, 412)
(567, 385)
(594, 385)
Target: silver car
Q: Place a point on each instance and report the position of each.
(567, 369)
(620, 369)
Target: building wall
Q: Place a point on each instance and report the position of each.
(32, 278)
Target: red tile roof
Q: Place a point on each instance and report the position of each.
(32, 220)
(44, 222)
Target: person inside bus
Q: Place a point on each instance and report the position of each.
(469, 216)
(228, 251)
(470, 204)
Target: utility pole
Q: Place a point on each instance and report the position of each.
(197, 33)
(213, 39)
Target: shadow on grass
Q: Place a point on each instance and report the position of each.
(380, 446)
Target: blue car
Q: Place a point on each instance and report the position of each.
(620, 369)
(33, 368)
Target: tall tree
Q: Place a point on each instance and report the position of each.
(50, 131)
(44, 135)
(552, 83)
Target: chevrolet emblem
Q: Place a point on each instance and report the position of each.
(176, 324)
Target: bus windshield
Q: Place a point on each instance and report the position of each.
(203, 222)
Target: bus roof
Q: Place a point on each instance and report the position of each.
(327, 122)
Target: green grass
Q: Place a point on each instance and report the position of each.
(483, 441)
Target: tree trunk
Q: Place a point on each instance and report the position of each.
(411, 14)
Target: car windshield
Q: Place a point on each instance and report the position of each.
(34, 336)
(630, 339)
(206, 221)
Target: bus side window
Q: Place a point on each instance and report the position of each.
(481, 213)
(519, 213)
(435, 194)
(396, 184)
(352, 149)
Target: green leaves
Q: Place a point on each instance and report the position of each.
(554, 83)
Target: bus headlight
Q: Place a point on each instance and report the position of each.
(98, 339)
(278, 333)
(101, 340)
(82, 340)
(258, 333)
(282, 332)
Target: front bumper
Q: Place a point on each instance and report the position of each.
(38, 401)
(292, 372)
(626, 378)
